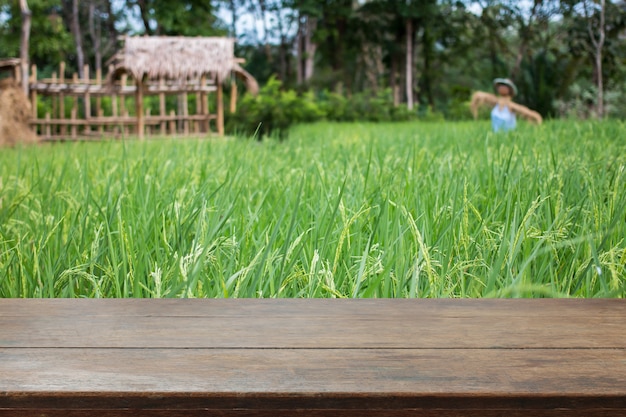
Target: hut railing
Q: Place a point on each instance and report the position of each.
(90, 117)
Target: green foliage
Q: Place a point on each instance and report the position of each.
(273, 111)
(179, 18)
(374, 107)
(360, 49)
(582, 100)
(50, 42)
(339, 210)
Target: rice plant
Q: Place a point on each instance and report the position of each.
(337, 210)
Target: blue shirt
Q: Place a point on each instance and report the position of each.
(502, 119)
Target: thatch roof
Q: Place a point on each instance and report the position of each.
(179, 58)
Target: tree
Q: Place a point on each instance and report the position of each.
(596, 28)
(78, 42)
(305, 46)
(102, 30)
(49, 39)
(409, 63)
(178, 18)
(24, 43)
(427, 52)
(496, 18)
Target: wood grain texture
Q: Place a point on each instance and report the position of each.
(308, 372)
(603, 412)
(312, 357)
(288, 323)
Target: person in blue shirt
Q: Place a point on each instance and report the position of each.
(503, 114)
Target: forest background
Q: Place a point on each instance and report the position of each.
(376, 59)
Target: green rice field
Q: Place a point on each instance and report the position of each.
(336, 210)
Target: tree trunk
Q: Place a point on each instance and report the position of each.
(233, 15)
(396, 73)
(338, 50)
(427, 53)
(299, 52)
(80, 57)
(309, 48)
(266, 42)
(600, 106)
(143, 8)
(371, 67)
(409, 64)
(525, 35)
(599, 44)
(282, 52)
(306, 48)
(96, 36)
(24, 43)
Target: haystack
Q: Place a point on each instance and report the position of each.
(15, 112)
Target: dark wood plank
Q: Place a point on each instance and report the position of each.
(571, 323)
(313, 378)
(312, 357)
(601, 412)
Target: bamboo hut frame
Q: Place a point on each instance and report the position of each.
(182, 60)
(145, 66)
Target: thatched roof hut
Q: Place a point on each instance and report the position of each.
(180, 58)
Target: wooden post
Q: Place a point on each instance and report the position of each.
(172, 122)
(101, 127)
(123, 111)
(73, 120)
(197, 124)
(162, 107)
(148, 128)
(99, 111)
(233, 96)
(185, 114)
(204, 104)
(33, 93)
(124, 129)
(47, 128)
(62, 98)
(87, 98)
(75, 98)
(220, 107)
(55, 104)
(114, 113)
(139, 109)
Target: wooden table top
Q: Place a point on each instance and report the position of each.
(319, 357)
